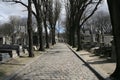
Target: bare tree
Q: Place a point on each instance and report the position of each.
(56, 14)
(50, 19)
(14, 21)
(70, 21)
(83, 6)
(19, 28)
(45, 11)
(54, 8)
(77, 18)
(39, 18)
(6, 29)
(30, 31)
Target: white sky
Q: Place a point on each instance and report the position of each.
(104, 6)
(8, 9)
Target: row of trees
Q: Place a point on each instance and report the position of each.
(78, 12)
(77, 15)
(46, 13)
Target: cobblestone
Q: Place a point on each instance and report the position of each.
(59, 63)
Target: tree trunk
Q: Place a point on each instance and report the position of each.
(46, 34)
(69, 34)
(73, 39)
(39, 24)
(102, 35)
(91, 33)
(72, 36)
(53, 36)
(58, 35)
(40, 36)
(114, 8)
(29, 24)
(78, 39)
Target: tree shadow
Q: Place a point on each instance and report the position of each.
(84, 54)
(18, 78)
(93, 55)
(100, 62)
(5, 63)
(23, 56)
(54, 52)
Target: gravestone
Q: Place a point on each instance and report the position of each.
(4, 57)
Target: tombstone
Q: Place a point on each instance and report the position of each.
(4, 57)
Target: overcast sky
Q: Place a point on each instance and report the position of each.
(8, 9)
(104, 6)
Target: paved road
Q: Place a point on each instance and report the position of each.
(59, 63)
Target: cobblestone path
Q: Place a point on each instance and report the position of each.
(59, 63)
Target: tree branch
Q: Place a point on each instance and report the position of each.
(25, 6)
(91, 13)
